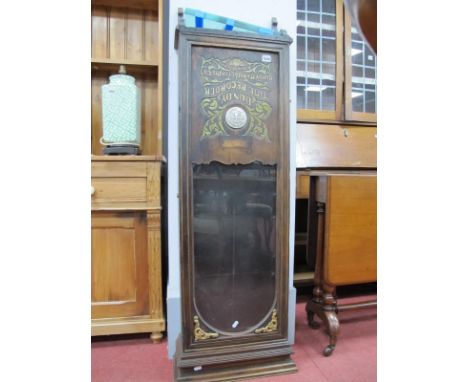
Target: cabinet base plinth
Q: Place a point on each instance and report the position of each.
(106, 326)
(237, 371)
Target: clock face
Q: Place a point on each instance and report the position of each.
(236, 117)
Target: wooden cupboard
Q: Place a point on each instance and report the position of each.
(126, 291)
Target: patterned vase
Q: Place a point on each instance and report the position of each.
(121, 123)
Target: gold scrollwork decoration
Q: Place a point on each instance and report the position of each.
(199, 333)
(271, 326)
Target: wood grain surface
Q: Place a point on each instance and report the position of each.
(119, 268)
(329, 146)
(351, 230)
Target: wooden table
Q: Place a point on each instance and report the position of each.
(340, 162)
(343, 233)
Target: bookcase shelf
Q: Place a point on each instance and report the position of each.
(137, 4)
(128, 33)
(112, 64)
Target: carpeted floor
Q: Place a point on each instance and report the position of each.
(137, 359)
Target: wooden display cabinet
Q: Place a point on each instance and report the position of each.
(234, 205)
(126, 190)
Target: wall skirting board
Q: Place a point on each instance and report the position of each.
(174, 312)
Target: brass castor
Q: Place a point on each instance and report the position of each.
(328, 350)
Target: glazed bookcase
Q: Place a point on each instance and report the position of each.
(336, 70)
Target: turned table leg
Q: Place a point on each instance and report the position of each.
(331, 319)
(323, 302)
(314, 306)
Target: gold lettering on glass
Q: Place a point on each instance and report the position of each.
(241, 87)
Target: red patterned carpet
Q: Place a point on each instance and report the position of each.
(354, 359)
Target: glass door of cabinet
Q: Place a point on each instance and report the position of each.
(234, 233)
(360, 75)
(319, 60)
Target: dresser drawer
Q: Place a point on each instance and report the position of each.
(118, 169)
(116, 190)
(120, 185)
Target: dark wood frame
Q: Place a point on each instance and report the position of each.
(247, 355)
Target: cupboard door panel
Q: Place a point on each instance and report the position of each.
(119, 267)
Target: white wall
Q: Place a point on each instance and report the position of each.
(257, 12)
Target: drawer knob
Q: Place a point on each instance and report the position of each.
(93, 190)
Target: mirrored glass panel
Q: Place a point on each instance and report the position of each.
(316, 54)
(234, 219)
(364, 76)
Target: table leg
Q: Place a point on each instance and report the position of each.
(330, 318)
(315, 226)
